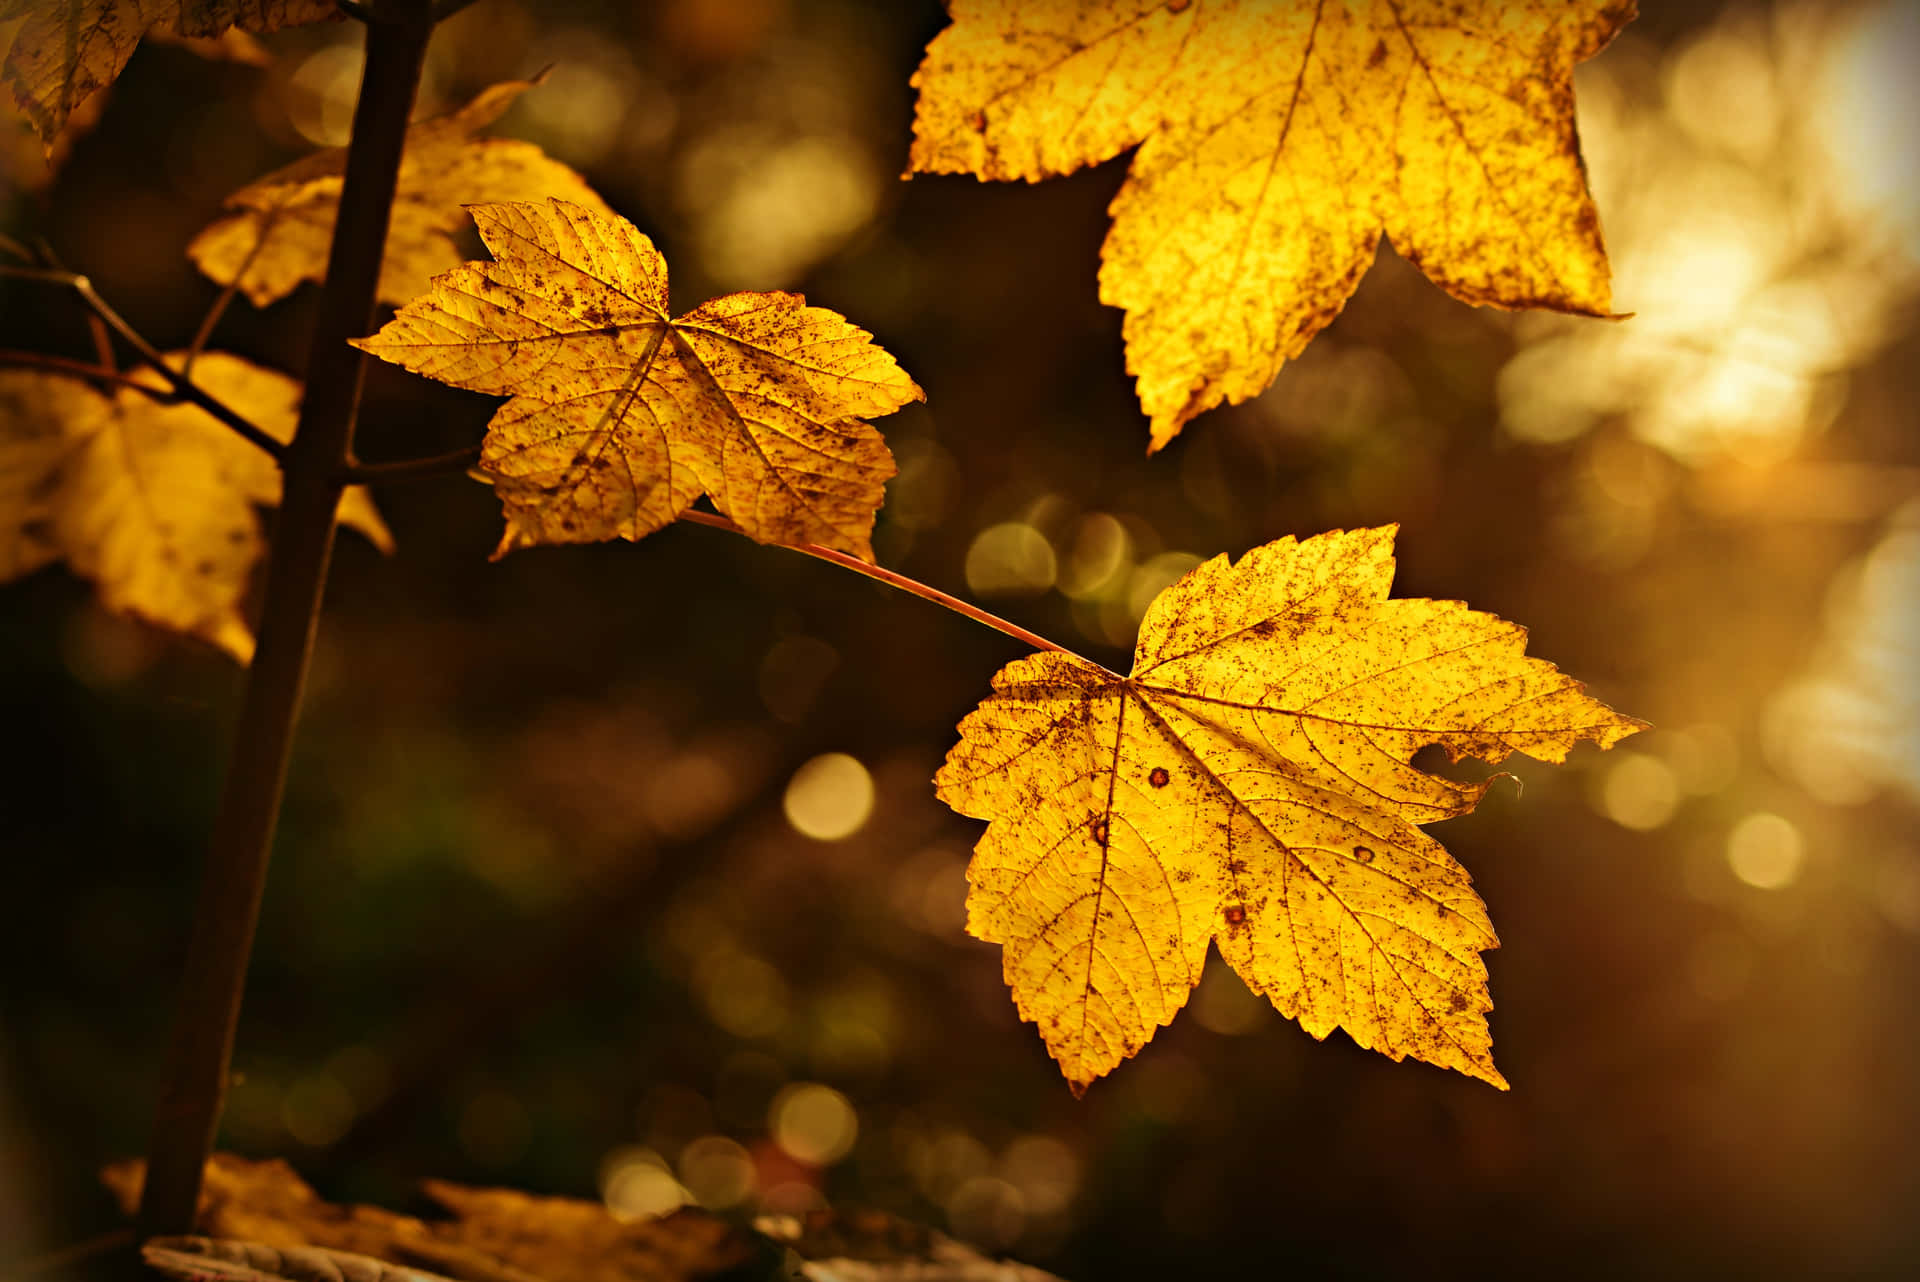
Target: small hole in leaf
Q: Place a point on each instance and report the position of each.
(1235, 914)
(1159, 777)
(1363, 853)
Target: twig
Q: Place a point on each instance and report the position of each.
(893, 578)
(102, 343)
(66, 365)
(185, 388)
(231, 884)
(68, 1256)
(358, 473)
(221, 302)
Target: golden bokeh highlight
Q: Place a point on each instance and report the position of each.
(813, 1123)
(636, 1184)
(1639, 791)
(717, 1172)
(1012, 558)
(1766, 851)
(830, 797)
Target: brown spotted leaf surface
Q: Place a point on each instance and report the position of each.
(622, 414)
(278, 231)
(153, 502)
(62, 52)
(1277, 142)
(1250, 784)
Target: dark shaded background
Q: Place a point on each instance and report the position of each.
(538, 918)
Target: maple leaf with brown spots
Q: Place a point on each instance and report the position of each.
(1277, 143)
(623, 414)
(1251, 784)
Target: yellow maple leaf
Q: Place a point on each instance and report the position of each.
(622, 415)
(1277, 143)
(1251, 783)
(67, 50)
(281, 227)
(154, 502)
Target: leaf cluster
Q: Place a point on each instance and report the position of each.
(1251, 783)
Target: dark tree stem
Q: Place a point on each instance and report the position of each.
(235, 874)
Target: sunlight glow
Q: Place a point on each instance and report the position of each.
(1760, 216)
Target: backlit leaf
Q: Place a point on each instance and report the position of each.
(153, 502)
(1251, 783)
(66, 50)
(622, 415)
(1277, 142)
(281, 227)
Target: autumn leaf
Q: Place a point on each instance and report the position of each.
(873, 1246)
(1251, 783)
(281, 227)
(495, 1235)
(265, 1224)
(1277, 143)
(622, 416)
(204, 1259)
(67, 50)
(153, 502)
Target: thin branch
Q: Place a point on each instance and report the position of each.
(80, 369)
(102, 343)
(185, 388)
(68, 1256)
(460, 460)
(218, 309)
(893, 578)
(96, 328)
(11, 246)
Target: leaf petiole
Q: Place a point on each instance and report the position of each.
(358, 473)
(462, 459)
(893, 578)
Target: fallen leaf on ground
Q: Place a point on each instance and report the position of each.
(153, 502)
(204, 1259)
(281, 227)
(873, 1246)
(67, 50)
(1277, 143)
(1251, 783)
(496, 1235)
(622, 415)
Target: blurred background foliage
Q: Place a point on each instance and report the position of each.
(616, 871)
